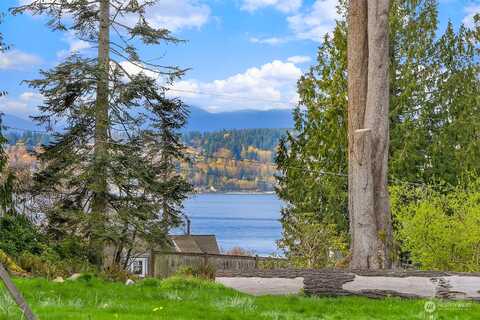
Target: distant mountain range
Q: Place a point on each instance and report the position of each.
(12, 121)
(203, 121)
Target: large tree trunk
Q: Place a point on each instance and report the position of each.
(368, 105)
(377, 119)
(357, 51)
(366, 245)
(99, 205)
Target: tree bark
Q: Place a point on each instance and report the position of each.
(99, 204)
(365, 255)
(357, 52)
(15, 294)
(368, 107)
(377, 118)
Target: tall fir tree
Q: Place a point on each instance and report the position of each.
(105, 173)
(434, 123)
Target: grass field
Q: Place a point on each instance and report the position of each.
(177, 298)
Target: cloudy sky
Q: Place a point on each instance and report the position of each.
(243, 54)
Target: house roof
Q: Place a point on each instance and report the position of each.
(196, 244)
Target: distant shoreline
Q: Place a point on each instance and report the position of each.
(239, 193)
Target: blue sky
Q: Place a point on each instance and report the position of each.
(248, 53)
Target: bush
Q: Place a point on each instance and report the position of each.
(321, 245)
(51, 266)
(239, 251)
(10, 265)
(151, 282)
(274, 261)
(206, 272)
(439, 230)
(116, 273)
(18, 234)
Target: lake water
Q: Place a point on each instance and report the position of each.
(249, 221)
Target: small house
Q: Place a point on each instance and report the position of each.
(141, 262)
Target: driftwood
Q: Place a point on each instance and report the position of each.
(15, 293)
(376, 284)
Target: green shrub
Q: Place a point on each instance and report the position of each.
(18, 234)
(439, 230)
(86, 278)
(274, 262)
(321, 245)
(116, 273)
(180, 283)
(199, 271)
(9, 264)
(151, 282)
(50, 266)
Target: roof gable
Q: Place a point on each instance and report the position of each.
(196, 244)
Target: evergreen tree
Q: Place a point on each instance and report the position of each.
(434, 122)
(105, 173)
(6, 176)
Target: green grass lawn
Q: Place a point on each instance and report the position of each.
(178, 298)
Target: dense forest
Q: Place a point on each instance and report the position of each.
(31, 139)
(227, 160)
(233, 160)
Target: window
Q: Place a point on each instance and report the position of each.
(139, 267)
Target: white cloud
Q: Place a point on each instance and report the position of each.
(75, 45)
(175, 15)
(299, 59)
(134, 69)
(170, 14)
(311, 23)
(315, 22)
(270, 41)
(18, 60)
(23, 106)
(272, 85)
(281, 5)
(470, 12)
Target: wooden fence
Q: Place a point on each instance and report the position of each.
(165, 264)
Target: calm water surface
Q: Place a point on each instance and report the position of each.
(245, 220)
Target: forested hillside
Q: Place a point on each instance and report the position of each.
(242, 144)
(233, 160)
(227, 160)
(31, 139)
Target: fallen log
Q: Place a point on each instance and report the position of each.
(374, 284)
(404, 284)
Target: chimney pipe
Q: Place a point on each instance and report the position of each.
(188, 230)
